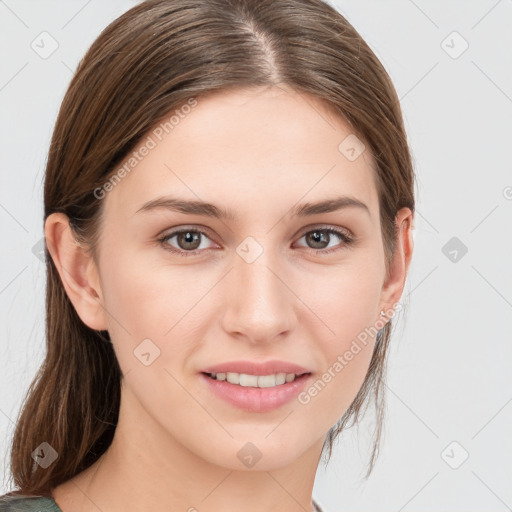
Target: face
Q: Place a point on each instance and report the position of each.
(185, 290)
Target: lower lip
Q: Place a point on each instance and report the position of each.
(254, 399)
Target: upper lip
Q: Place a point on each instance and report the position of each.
(257, 368)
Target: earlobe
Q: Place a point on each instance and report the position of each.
(77, 271)
(395, 282)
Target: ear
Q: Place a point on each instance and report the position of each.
(77, 271)
(395, 281)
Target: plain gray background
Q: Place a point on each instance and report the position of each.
(449, 389)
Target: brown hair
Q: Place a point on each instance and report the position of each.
(149, 61)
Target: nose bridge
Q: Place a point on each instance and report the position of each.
(260, 305)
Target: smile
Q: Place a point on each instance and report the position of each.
(248, 393)
(256, 381)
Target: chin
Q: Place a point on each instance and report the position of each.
(257, 452)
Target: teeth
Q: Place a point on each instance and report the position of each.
(260, 381)
(233, 378)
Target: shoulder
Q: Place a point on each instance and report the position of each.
(20, 503)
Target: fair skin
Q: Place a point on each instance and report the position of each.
(258, 153)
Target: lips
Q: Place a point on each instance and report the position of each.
(257, 368)
(255, 399)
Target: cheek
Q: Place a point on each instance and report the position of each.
(346, 303)
(328, 396)
(345, 298)
(147, 299)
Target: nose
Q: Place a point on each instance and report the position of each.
(260, 304)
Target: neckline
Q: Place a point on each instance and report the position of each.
(56, 507)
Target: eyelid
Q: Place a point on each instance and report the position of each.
(164, 237)
(344, 234)
(321, 227)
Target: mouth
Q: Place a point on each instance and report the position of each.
(257, 381)
(255, 393)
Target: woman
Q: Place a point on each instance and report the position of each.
(229, 200)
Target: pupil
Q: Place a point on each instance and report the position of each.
(319, 237)
(190, 238)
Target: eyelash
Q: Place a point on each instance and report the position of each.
(345, 237)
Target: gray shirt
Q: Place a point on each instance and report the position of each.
(45, 504)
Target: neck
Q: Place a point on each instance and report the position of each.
(147, 468)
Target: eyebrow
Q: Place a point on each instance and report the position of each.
(192, 207)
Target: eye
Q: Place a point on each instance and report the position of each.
(321, 237)
(188, 241)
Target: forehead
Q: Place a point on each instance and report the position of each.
(248, 147)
